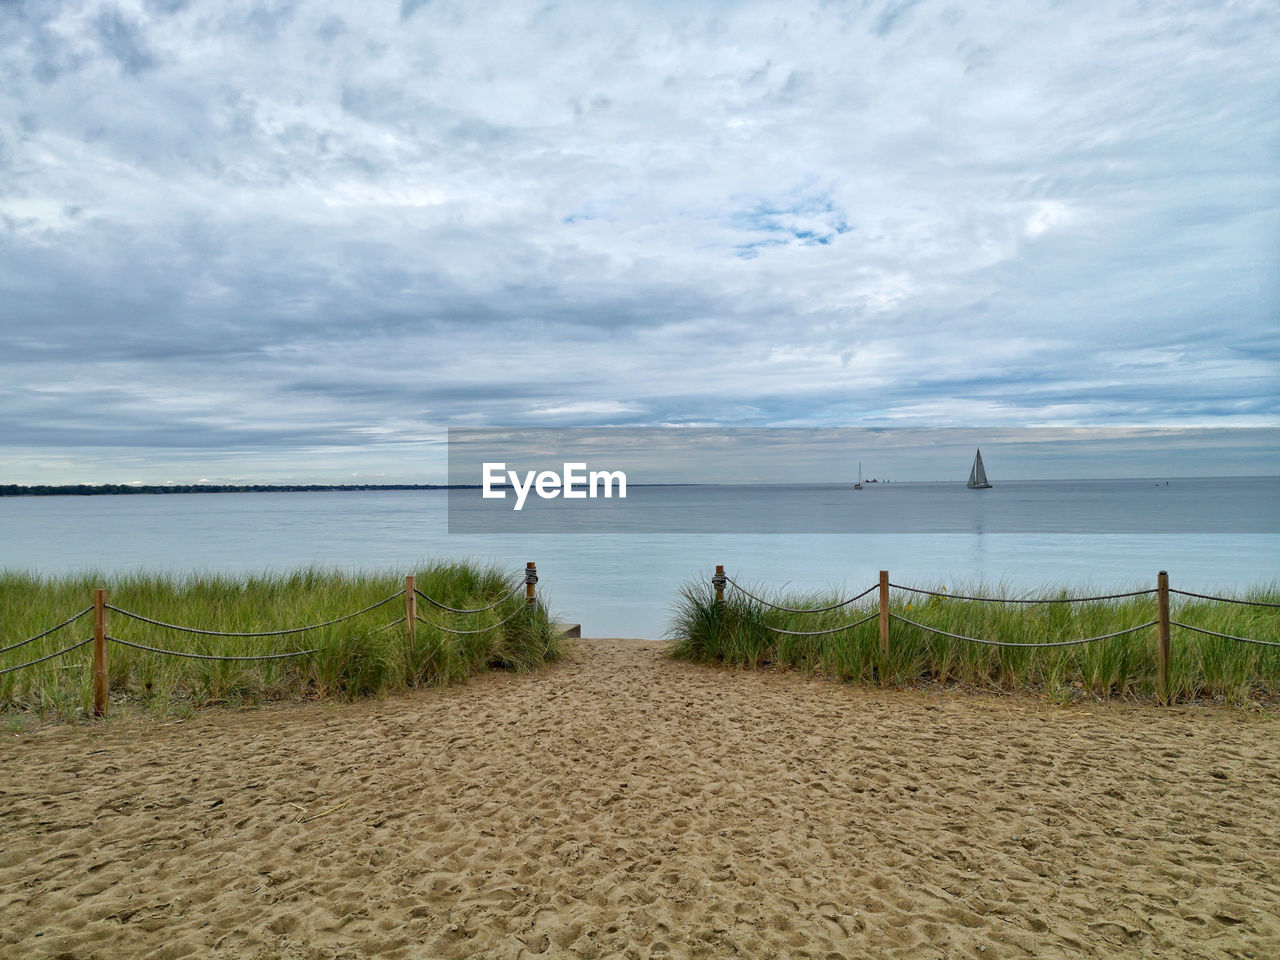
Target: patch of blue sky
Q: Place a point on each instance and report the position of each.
(749, 251)
(813, 220)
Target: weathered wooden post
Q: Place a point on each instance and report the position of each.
(884, 627)
(410, 607)
(99, 653)
(1162, 608)
(719, 581)
(530, 579)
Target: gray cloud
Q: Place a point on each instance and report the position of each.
(891, 14)
(409, 7)
(313, 235)
(121, 39)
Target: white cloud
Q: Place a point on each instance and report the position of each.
(594, 409)
(1045, 216)
(325, 225)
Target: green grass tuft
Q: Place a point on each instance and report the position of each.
(735, 633)
(357, 658)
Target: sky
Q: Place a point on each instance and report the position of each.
(297, 242)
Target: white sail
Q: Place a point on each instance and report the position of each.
(977, 474)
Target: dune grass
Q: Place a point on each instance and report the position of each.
(359, 657)
(736, 633)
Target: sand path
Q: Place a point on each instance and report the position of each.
(619, 804)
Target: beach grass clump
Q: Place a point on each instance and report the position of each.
(368, 655)
(737, 632)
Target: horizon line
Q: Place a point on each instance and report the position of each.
(176, 487)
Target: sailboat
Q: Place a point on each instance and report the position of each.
(858, 485)
(978, 475)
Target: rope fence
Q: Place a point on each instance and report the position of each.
(775, 606)
(1206, 596)
(961, 596)
(1163, 622)
(101, 639)
(40, 636)
(263, 633)
(32, 663)
(820, 633)
(507, 619)
(461, 610)
(1013, 643)
(1224, 636)
(209, 656)
(231, 659)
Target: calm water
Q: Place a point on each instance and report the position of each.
(1222, 505)
(614, 584)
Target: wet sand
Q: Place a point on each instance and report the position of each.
(620, 804)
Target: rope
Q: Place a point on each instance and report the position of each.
(960, 596)
(834, 606)
(263, 633)
(1224, 636)
(1006, 643)
(519, 610)
(1205, 596)
(819, 633)
(32, 663)
(39, 636)
(496, 603)
(208, 656)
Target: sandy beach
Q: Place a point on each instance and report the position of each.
(620, 804)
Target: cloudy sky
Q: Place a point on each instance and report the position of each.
(297, 241)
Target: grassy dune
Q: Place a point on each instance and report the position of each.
(736, 633)
(359, 657)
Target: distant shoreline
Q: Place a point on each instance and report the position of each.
(113, 489)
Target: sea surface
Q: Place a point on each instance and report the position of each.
(624, 583)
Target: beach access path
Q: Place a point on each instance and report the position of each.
(622, 804)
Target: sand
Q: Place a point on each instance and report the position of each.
(619, 804)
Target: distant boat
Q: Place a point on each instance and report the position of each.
(978, 475)
(858, 485)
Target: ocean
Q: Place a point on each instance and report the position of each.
(624, 583)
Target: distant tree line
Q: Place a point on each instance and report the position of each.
(97, 489)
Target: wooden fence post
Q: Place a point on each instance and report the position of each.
(884, 627)
(410, 607)
(718, 580)
(99, 653)
(1162, 606)
(529, 597)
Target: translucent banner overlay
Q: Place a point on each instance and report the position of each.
(914, 480)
